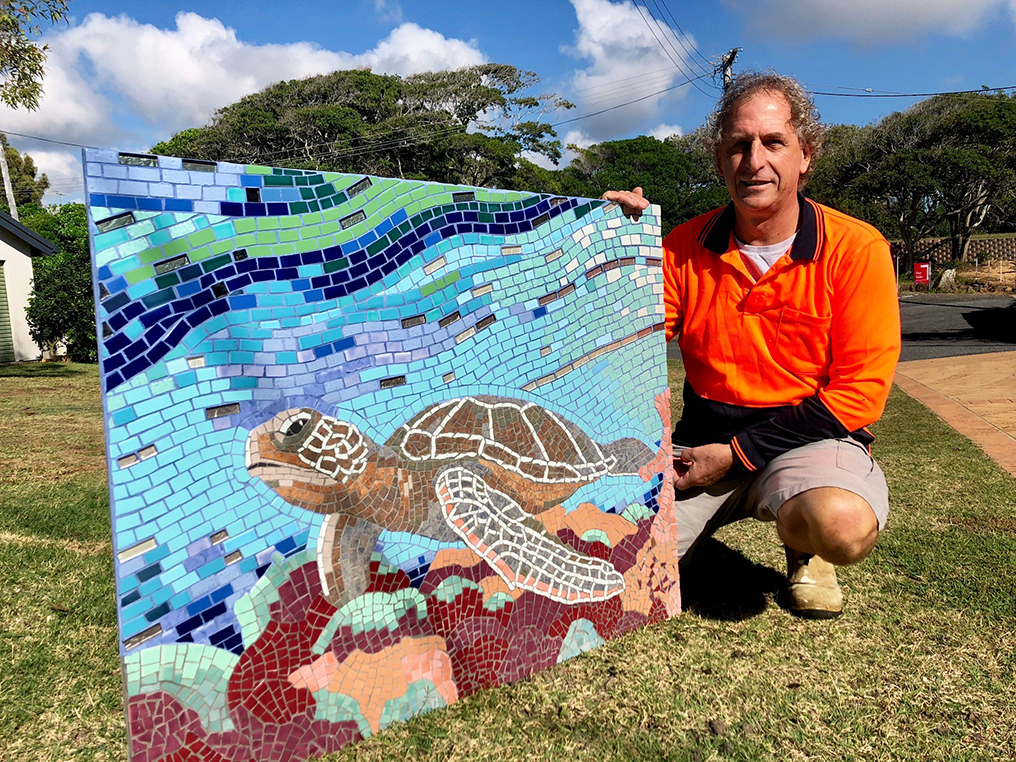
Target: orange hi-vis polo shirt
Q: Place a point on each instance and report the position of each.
(807, 352)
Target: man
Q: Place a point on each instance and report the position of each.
(788, 322)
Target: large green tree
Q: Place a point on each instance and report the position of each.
(21, 56)
(677, 173)
(26, 182)
(62, 306)
(941, 167)
(467, 126)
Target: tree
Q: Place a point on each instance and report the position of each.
(677, 174)
(468, 126)
(62, 307)
(941, 166)
(21, 56)
(28, 189)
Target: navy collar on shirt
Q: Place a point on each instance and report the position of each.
(715, 236)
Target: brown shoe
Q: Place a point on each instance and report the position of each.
(812, 590)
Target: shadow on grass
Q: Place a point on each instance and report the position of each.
(42, 369)
(722, 583)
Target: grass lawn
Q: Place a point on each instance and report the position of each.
(921, 666)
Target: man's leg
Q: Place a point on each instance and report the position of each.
(829, 499)
(830, 522)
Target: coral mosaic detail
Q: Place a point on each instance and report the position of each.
(373, 444)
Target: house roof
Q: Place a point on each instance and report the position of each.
(37, 244)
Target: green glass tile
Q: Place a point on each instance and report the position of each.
(282, 249)
(167, 280)
(302, 180)
(220, 247)
(278, 180)
(244, 225)
(255, 169)
(313, 206)
(268, 223)
(142, 273)
(290, 221)
(298, 207)
(149, 256)
(173, 248)
(198, 254)
(307, 193)
(338, 264)
(201, 237)
(324, 190)
(215, 263)
(288, 236)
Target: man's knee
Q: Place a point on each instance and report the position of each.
(841, 525)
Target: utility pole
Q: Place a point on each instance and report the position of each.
(7, 180)
(726, 63)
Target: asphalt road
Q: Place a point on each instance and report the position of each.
(949, 325)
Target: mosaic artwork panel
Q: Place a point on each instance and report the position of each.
(373, 445)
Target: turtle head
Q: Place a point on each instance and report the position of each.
(304, 455)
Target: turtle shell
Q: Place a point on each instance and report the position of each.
(517, 435)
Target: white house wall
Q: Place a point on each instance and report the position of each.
(18, 276)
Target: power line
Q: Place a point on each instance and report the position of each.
(684, 34)
(682, 38)
(981, 91)
(385, 145)
(49, 140)
(649, 26)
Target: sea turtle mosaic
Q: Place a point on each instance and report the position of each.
(473, 469)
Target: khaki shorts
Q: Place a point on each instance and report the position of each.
(841, 463)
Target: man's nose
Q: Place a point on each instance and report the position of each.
(756, 155)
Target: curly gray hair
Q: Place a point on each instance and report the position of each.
(803, 114)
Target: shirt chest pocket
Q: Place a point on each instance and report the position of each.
(802, 342)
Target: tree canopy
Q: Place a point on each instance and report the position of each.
(62, 307)
(26, 182)
(21, 56)
(941, 167)
(467, 126)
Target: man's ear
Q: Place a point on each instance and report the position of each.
(806, 163)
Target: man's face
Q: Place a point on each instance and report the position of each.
(760, 158)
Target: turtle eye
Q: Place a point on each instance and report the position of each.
(295, 426)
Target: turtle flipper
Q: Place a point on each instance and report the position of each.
(630, 455)
(495, 527)
(344, 549)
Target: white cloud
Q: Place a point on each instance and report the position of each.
(664, 131)
(388, 10)
(115, 82)
(865, 21)
(627, 62)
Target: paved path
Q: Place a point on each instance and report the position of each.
(976, 395)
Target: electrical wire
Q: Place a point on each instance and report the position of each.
(649, 26)
(981, 91)
(710, 64)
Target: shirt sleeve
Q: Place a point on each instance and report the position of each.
(865, 347)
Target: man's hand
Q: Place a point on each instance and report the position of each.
(632, 202)
(702, 466)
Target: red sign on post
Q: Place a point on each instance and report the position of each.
(922, 273)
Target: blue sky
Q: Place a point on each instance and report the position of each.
(126, 75)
